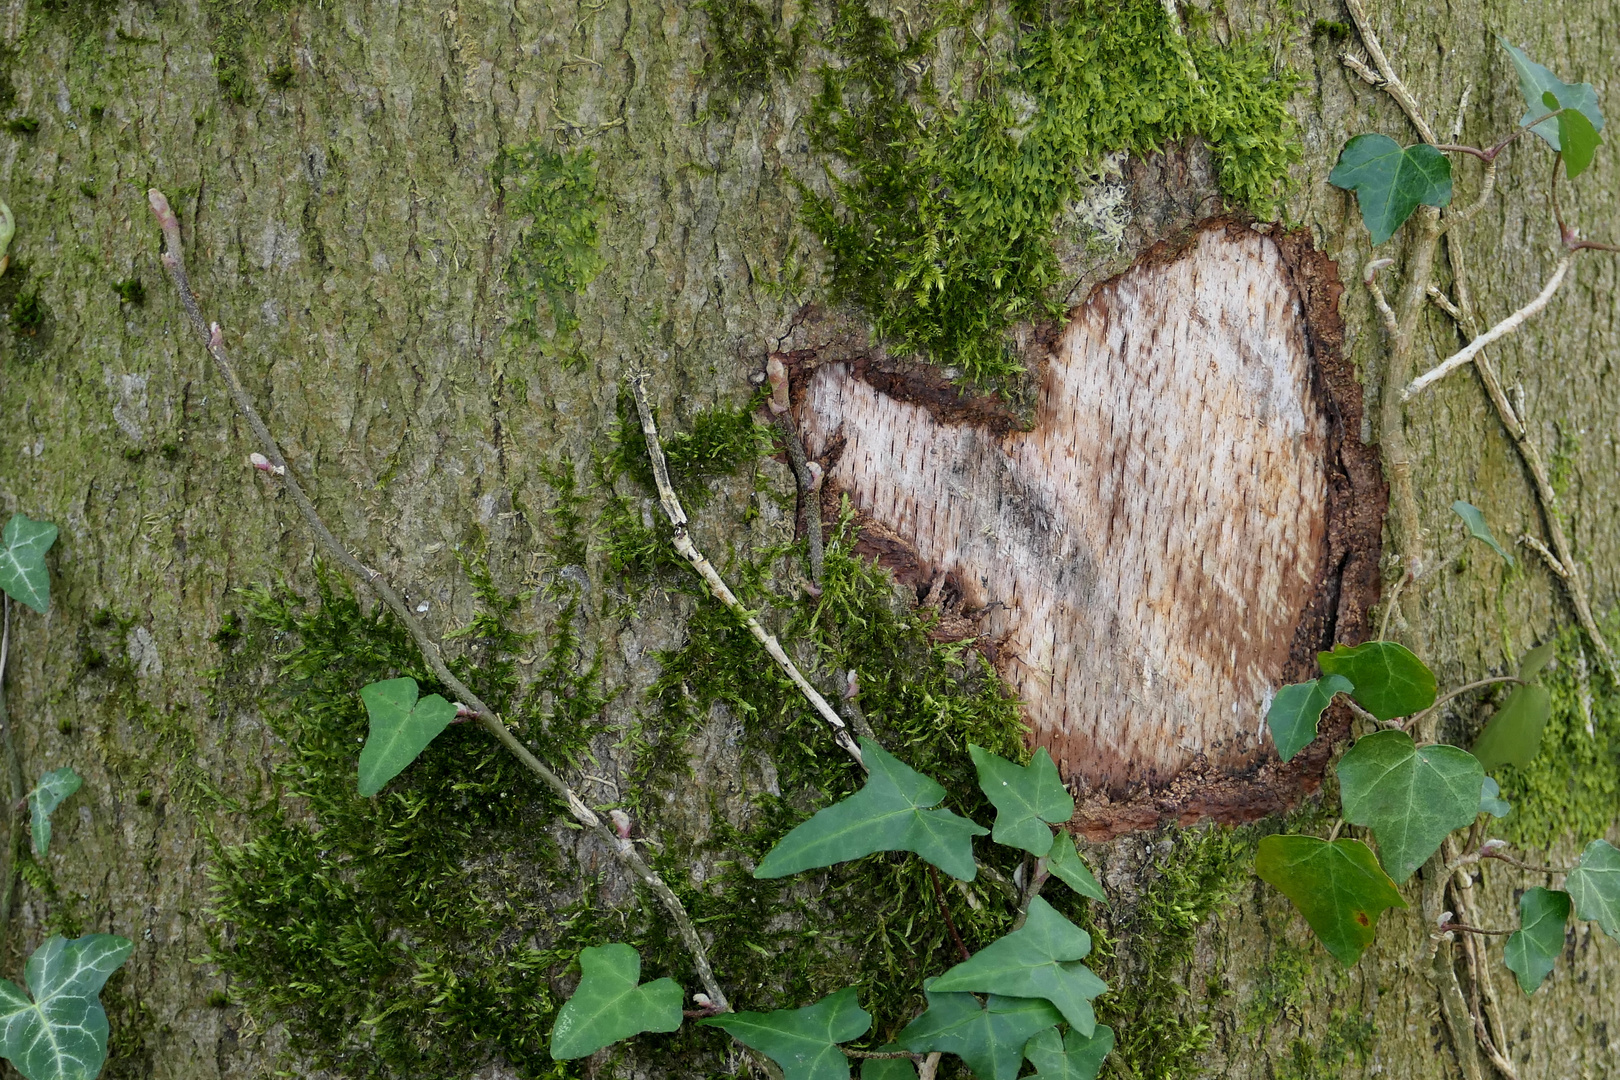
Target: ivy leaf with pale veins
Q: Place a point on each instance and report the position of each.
(401, 728)
(53, 788)
(1594, 885)
(1064, 863)
(1411, 797)
(1035, 961)
(1535, 80)
(1389, 680)
(22, 561)
(1513, 736)
(1534, 947)
(1069, 1057)
(61, 1033)
(989, 1035)
(1027, 798)
(1297, 710)
(893, 812)
(1491, 801)
(1339, 888)
(803, 1041)
(1474, 518)
(1391, 181)
(608, 1005)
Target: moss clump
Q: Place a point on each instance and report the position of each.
(29, 313)
(21, 125)
(719, 442)
(556, 254)
(1571, 788)
(747, 48)
(131, 291)
(940, 224)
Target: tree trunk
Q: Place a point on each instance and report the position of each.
(438, 241)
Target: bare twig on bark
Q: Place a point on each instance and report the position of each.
(14, 779)
(213, 340)
(717, 585)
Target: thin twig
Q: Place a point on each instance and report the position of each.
(213, 340)
(1474, 930)
(14, 779)
(1461, 690)
(1495, 333)
(717, 585)
(1554, 563)
(1501, 856)
(1391, 82)
(944, 909)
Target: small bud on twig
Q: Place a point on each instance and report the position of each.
(264, 465)
(1372, 268)
(621, 823)
(166, 220)
(776, 372)
(816, 475)
(701, 998)
(852, 685)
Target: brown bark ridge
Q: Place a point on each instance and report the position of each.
(1178, 530)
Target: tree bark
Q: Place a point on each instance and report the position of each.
(336, 170)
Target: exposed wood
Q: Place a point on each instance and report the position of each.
(1145, 558)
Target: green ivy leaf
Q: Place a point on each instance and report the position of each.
(1535, 80)
(1536, 659)
(401, 728)
(1594, 886)
(889, 1068)
(1578, 138)
(1534, 947)
(1070, 1057)
(1297, 710)
(1338, 887)
(1474, 518)
(61, 1034)
(803, 1041)
(1035, 961)
(1491, 801)
(1411, 797)
(989, 1035)
(609, 1006)
(22, 561)
(1064, 863)
(1513, 736)
(1027, 798)
(891, 813)
(52, 789)
(1391, 181)
(1389, 681)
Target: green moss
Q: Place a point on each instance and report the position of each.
(940, 222)
(237, 25)
(1331, 30)
(29, 313)
(719, 442)
(1146, 950)
(130, 291)
(21, 125)
(556, 254)
(748, 48)
(1571, 790)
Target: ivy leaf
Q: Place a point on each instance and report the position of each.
(1064, 863)
(1338, 887)
(1535, 80)
(1491, 801)
(1536, 659)
(891, 813)
(1035, 961)
(61, 1034)
(401, 728)
(1411, 797)
(1391, 181)
(22, 561)
(53, 788)
(1070, 1057)
(1513, 736)
(889, 1068)
(1027, 798)
(989, 1035)
(1474, 518)
(1389, 681)
(1594, 886)
(1578, 138)
(1533, 948)
(1297, 710)
(803, 1041)
(609, 1006)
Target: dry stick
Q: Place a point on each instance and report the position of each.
(809, 493)
(1391, 82)
(717, 585)
(944, 909)
(213, 340)
(1494, 334)
(14, 777)
(1462, 887)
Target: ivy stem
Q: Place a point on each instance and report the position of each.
(944, 909)
(1511, 861)
(1416, 718)
(213, 340)
(1334, 833)
(1473, 929)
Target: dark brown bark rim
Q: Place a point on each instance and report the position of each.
(1348, 582)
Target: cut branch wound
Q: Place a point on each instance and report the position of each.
(213, 340)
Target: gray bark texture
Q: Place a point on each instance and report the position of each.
(334, 165)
